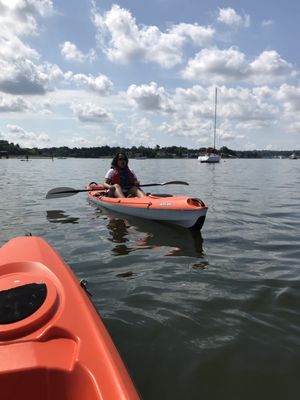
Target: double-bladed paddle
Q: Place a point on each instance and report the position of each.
(68, 191)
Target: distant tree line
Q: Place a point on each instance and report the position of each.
(10, 149)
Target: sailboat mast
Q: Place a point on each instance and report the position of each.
(215, 125)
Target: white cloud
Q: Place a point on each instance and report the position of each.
(267, 22)
(270, 147)
(229, 16)
(199, 35)
(19, 72)
(91, 113)
(294, 127)
(150, 98)
(249, 146)
(107, 140)
(270, 67)
(123, 40)
(239, 110)
(137, 131)
(25, 138)
(13, 104)
(79, 141)
(20, 16)
(100, 84)
(227, 136)
(217, 65)
(71, 53)
(189, 127)
(13, 49)
(243, 104)
(25, 77)
(230, 65)
(289, 96)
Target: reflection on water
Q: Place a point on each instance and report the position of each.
(131, 234)
(128, 274)
(59, 216)
(118, 230)
(119, 235)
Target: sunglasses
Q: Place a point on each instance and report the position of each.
(122, 159)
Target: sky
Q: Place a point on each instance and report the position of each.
(85, 73)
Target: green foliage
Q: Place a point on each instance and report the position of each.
(11, 149)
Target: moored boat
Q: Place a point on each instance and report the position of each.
(211, 155)
(53, 343)
(293, 156)
(184, 211)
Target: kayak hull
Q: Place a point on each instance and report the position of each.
(179, 210)
(53, 343)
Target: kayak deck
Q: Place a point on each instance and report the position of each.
(53, 343)
(179, 210)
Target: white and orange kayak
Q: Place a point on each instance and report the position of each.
(184, 211)
(53, 344)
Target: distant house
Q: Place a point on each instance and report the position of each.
(161, 153)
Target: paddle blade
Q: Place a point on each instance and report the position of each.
(165, 183)
(61, 192)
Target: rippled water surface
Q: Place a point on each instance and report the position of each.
(210, 315)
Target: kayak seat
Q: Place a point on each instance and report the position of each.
(45, 373)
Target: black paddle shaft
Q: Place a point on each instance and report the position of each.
(68, 191)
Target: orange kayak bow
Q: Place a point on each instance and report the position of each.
(53, 344)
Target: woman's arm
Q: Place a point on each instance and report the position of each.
(107, 183)
(107, 179)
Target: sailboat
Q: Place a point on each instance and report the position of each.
(211, 155)
(293, 156)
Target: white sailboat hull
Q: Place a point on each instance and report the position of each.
(293, 157)
(209, 158)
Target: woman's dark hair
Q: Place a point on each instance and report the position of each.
(114, 163)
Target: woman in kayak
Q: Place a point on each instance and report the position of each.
(120, 180)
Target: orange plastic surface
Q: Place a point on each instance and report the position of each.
(183, 203)
(63, 350)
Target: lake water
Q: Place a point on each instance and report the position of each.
(210, 315)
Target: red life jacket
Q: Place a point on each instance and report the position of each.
(128, 179)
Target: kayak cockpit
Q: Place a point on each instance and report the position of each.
(39, 380)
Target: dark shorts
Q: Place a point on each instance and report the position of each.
(126, 191)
